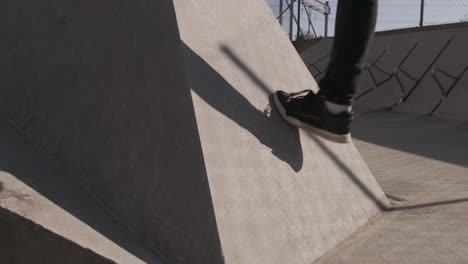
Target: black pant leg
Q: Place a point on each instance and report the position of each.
(354, 29)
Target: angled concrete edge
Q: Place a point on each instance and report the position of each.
(172, 136)
(24, 241)
(38, 188)
(280, 195)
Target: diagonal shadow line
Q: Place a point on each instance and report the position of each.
(230, 53)
(431, 204)
(377, 201)
(23, 240)
(50, 178)
(213, 88)
(382, 205)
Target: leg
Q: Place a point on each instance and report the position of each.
(328, 114)
(354, 29)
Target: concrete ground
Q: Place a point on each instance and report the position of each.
(422, 162)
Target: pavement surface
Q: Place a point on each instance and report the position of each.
(422, 163)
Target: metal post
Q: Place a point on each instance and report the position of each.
(327, 12)
(309, 20)
(421, 18)
(291, 19)
(298, 18)
(281, 12)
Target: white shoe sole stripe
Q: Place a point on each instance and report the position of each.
(320, 132)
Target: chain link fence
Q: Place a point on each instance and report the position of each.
(316, 18)
(310, 15)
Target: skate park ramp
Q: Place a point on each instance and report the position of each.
(420, 71)
(418, 151)
(161, 147)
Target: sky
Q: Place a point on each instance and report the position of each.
(393, 14)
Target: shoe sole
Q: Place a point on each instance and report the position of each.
(343, 139)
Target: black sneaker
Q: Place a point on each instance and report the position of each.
(307, 110)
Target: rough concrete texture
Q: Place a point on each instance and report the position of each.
(107, 89)
(26, 242)
(101, 86)
(279, 194)
(423, 161)
(38, 189)
(317, 58)
(434, 48)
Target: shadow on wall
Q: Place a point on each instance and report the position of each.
(233, 57)
(271, 131)
(48, 177)
(23, 241)
(379, 202)
(115, 101)
(228, 101)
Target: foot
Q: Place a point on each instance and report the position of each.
(307, 110)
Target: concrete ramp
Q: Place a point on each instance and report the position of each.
(280, 195)
(173, 135)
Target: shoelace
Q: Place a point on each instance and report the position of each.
(297, 95)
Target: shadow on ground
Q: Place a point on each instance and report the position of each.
(383, 205)
(425, 136)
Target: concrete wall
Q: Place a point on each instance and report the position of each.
(280, 195)
(23, 241)
(436, 47)
(171, 135)
(101, 86)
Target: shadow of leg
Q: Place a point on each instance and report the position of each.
(271, 131)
